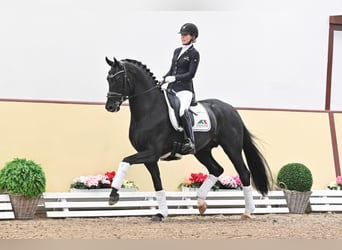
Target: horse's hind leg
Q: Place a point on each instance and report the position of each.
(235, 156)
(215, 170)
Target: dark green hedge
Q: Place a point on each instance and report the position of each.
(295, 176)
(21, 176)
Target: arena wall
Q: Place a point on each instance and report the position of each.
(71, 139)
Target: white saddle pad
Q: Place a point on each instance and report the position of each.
(202, 121)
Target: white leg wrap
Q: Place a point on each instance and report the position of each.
(161, 199)
(206, 186)
(120, 175)
(200, 202)
(249, 202)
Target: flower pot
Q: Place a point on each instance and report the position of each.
(128, 189)
(189, 189)
(297, 202)
(24, 208)
(95, 190)
(227, 190)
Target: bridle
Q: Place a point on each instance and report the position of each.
(112, 94)
(123, 97)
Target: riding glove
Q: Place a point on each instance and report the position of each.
(164, 85)
(170, 79)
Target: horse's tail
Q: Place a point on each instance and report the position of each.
(260, 171)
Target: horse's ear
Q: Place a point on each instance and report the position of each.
(110, 63)
(115, 61)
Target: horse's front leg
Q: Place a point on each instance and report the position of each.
(140, 157)
(117, 182)
(153, 168)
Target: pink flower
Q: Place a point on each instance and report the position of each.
(227, 181)
(105, 180)
(95, 181)
(339, 180)
(237, 180)
(92, 180)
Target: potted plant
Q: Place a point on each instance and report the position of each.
(296, 181)
(226, 182)
(25, 182)
(194, 182)
(128, 185)
(100, 182)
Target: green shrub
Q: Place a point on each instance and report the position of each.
(21, 176)
(295, 176)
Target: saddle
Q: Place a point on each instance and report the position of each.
(174, 106)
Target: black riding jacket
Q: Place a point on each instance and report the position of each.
(184, 68)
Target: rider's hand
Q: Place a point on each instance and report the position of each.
(164, 85)
(170, 79)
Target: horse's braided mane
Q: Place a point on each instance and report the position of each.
(143, 67)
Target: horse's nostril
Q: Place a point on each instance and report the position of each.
(109, 107)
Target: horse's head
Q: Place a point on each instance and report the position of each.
(118, 85)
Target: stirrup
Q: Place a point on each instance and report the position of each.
(188, 147)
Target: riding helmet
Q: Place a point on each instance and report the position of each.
(189, 29)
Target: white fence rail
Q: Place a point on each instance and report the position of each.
(6, 211)
(326, 201)
(88, 204)
(95, 204)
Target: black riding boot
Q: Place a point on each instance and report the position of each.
(189, 145)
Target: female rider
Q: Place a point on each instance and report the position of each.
(179, 78)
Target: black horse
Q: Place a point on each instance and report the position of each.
(153, 136)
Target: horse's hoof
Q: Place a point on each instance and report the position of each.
(157, 217)
(113, 197)
(247, 217)
(202, 208)
(113, 200)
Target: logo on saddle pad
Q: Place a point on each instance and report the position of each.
(202, 123)
(201, 117)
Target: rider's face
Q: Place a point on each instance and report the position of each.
(186, 38)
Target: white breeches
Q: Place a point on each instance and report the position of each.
(185, 97)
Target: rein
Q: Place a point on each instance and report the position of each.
(112, 94)
(144, 92)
